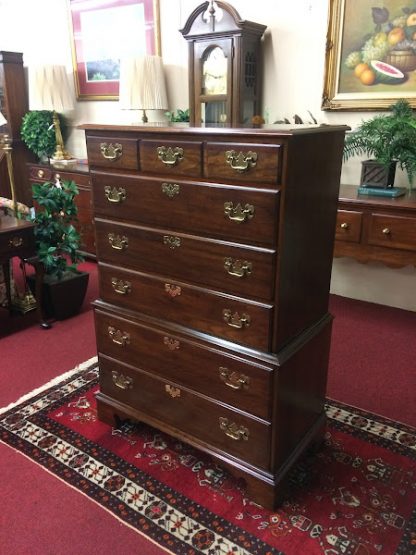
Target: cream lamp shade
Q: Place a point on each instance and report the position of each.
(142, 84)
(3, 120)
(50, 90)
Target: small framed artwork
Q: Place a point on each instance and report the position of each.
(103, 32)
(370, 54)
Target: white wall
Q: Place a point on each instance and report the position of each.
(294, 61)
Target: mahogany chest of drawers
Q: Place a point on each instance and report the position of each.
(215, 249)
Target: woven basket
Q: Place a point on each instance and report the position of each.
(404, 60)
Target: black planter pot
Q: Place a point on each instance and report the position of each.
(373, 174)
(62, 299)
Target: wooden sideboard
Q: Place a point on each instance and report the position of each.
(39, 173)
(376, 229)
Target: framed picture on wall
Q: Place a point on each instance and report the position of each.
(103, 32)
(370, 54)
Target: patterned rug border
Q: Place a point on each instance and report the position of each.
(398, 437)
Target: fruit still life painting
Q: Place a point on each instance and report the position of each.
(378, 47)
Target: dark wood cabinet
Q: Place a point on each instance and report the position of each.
(224, 65)
(39, 173)
(376, 229)
(214, 250)
(14, 105)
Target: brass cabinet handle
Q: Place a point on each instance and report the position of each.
(344, 225)
(237, 268)
(121, 287)
(170, 189)
(172, 241)
(233, 430)
(169, 156)
(238, 213)
(241, 162)
(173, 290)
(15, 242)
(121, 381)
(118, 242)
(172, 391)
(235, 380)
(115, 195)
(40, 173)
(171, 344)
(118, 337)
(235, 320)
(111, 151)
(386, 231)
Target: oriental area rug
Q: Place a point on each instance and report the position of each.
(356, 496)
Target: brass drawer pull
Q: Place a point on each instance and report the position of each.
(386, 231)
(238, 213)
(115, 195)
(169, 156)
(171, 344)
(233, 430)
(171, 241)
(121, 287)
(111, 151)
(172, 391)
(122, 381)
(118, 243)
(170, 189)
(344, 225)
(241, 162)
(173, 290)
(15, 242)
(237, 268)
(235, 380)
(235, 320)
(40, 173)
(118, 337)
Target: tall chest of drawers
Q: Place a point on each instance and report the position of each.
(215, 249)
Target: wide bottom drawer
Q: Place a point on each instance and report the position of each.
(235, 433)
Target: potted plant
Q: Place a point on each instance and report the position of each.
(389, 139)
(180, 116)
(57, 243)
(38, 132)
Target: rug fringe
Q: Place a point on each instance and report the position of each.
(54, 381)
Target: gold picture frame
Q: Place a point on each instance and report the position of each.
(356, 26)
(102, 32)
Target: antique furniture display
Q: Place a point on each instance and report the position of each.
(215, 251)
(376, 229)
(14, 105)
(79, 173)
(224, 65)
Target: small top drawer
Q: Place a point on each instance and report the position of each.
(396, 232)
(348, 226)
(113, 152)
(243, 162)
(171, 157)
(41, 174)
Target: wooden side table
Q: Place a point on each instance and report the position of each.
(376, 229)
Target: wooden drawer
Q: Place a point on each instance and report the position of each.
(232, 318)
(392, 231)
(348, 226)
(113, 152)
(250, 163)
(171, 157)
(37, 174)
(231, 212)
(236, 269)
(18, 242)
(213, 372)
(235, 433)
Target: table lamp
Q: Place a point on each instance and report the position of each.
(142, 84)
(51, 90)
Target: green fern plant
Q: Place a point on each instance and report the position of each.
(387, 138)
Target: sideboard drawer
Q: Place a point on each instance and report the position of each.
(392, 231)
(113, 152)
(171, 157)
(348, 226)
(243, 162)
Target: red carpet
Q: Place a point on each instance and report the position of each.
(356, 496)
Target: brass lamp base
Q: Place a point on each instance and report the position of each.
(60, 157)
